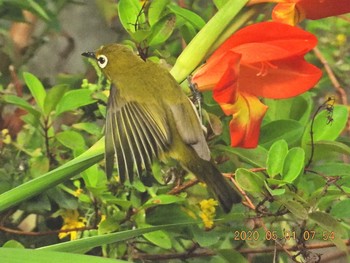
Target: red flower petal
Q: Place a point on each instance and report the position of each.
(248, 113)
(316, 9)
(292, 39)
(225, 90)
(211, 72)
(283, 79)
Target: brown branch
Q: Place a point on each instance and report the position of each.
(182, 187)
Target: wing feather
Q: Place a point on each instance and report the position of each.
(137, 131)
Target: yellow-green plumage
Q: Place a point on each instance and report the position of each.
(149, 116)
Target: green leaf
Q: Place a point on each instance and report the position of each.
(163, 200)
(332, 146)
(249, 181)
(110, 224)
(275, 158)
(71, 139)
(256, 157)
(156, 10)
(53, 97)
(289, 130)
(38, 10)
(15, 255)
(39, 165)
(295, 208)
(330, 224)
(327, 131)
(162, 30)
(203, 237)
(293, 164)
(129, 12)
(21, 103)
(188, 15)
(36, 89)
(89, 127)
(274, 192)
(341, 209)
(13, 244)
(74, 99)
(327, 222)
(298, 108)
(159, 238)
(333, 169)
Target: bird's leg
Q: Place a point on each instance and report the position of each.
(196, 98)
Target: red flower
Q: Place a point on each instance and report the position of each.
(261, 60)
(293, 11)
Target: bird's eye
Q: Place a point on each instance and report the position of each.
(102, 61)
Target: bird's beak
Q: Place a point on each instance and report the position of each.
(89, 55)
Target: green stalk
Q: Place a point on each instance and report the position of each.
(200, 45)
(52, 178)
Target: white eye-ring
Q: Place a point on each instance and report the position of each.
(102, 61)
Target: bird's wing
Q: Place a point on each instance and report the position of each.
(189, 127)
(135, 133)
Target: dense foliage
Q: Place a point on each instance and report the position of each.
(293, 174)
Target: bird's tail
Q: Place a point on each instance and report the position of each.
(205, 171)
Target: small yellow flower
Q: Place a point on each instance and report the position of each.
(78, 192)
(5, 136)
(341, 39)
(207, 213)
(71, 221)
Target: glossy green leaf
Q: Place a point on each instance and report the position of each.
(256, 157)
(293, 164)
(21, 103)
(53, 96)
(249, 181)
(36, 89)
(89, 127)
(298, 108)
(15, 255)
(74, 99)
(289, 130)
(297, 209)
(162, 30)
(71, 139)
(130, 14)
(188, 15)
(275, 158)
(156, 10)
(325, 130)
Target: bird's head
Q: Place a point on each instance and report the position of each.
(114, 59)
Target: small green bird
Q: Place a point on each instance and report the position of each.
(149, 116)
